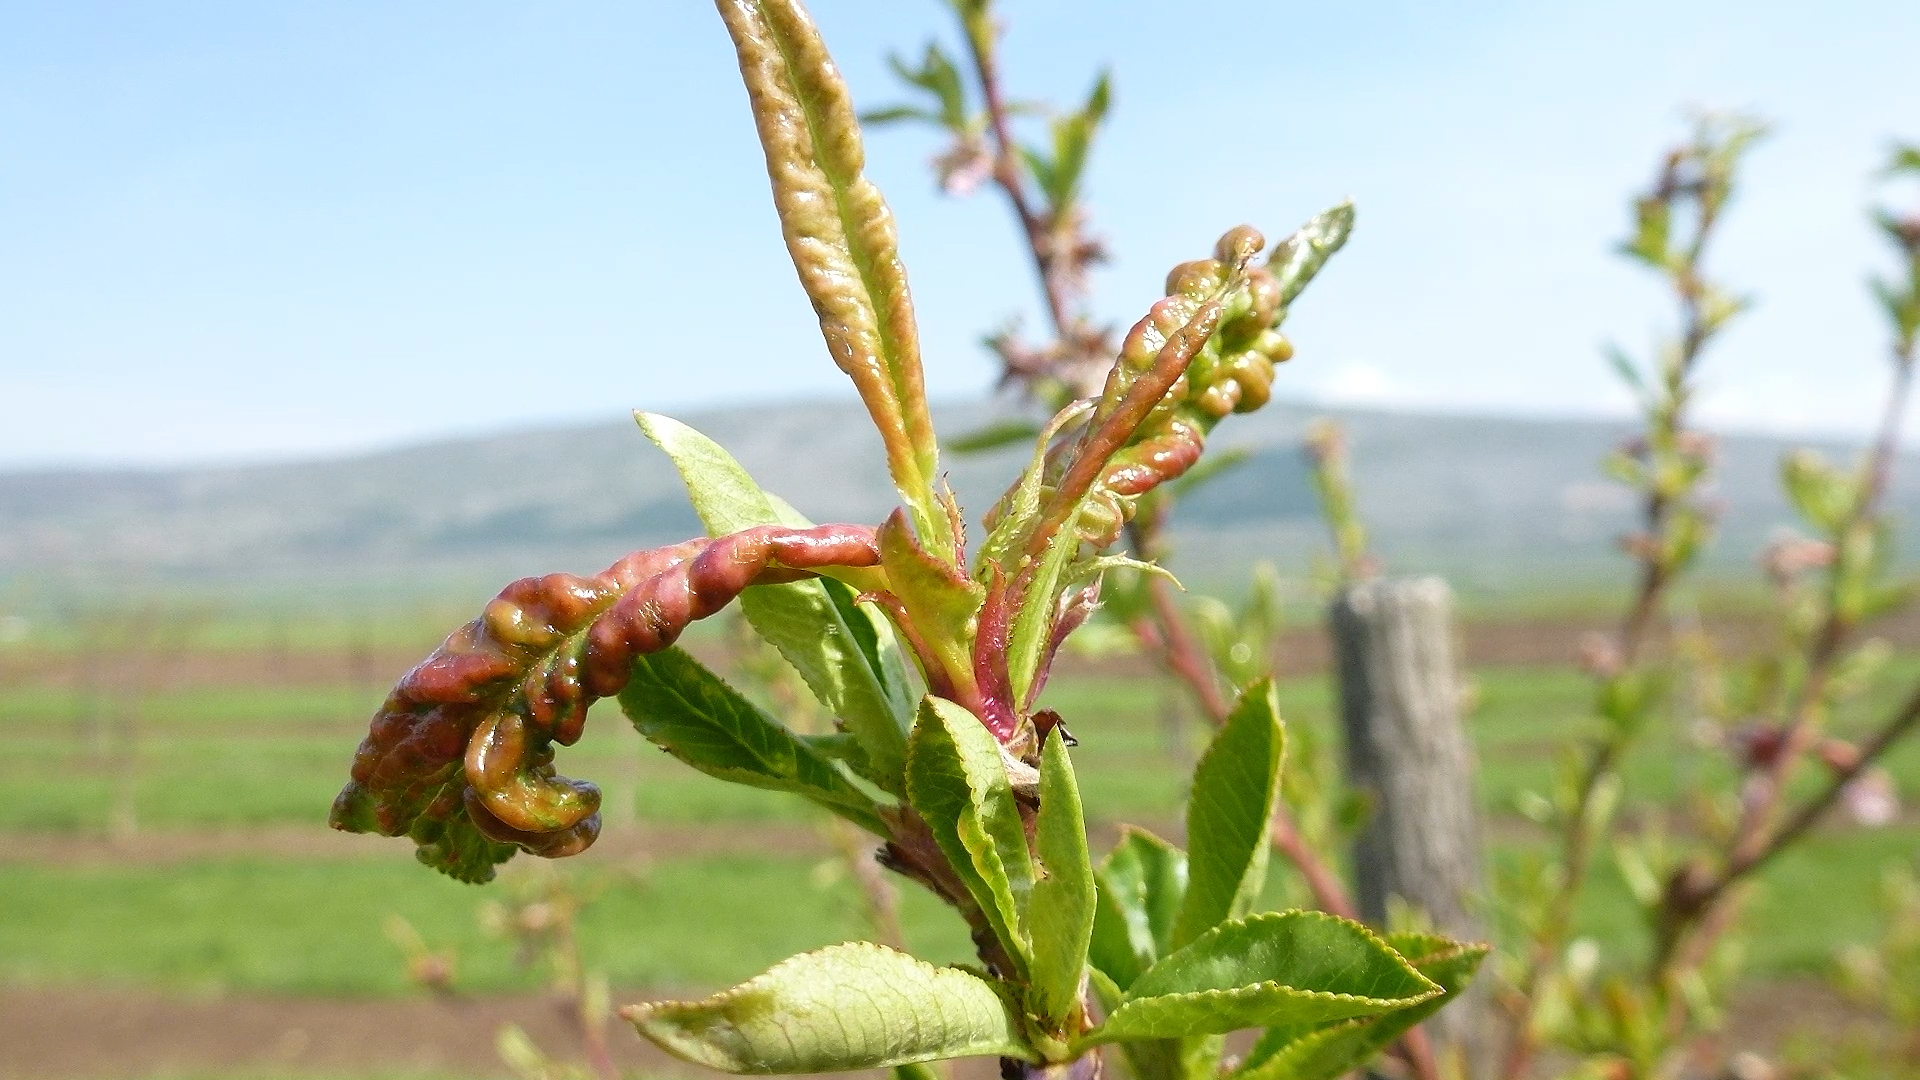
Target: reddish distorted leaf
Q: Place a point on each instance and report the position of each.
(460, 756)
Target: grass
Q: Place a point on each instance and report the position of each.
(227, 758)
(252, 756)
(315, 927)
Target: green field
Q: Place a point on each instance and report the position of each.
(314, 927)
(249, 756)
(237, 758)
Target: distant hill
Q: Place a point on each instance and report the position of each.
(1498, 503)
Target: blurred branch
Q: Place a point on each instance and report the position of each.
(1855, 539)
(1667, 463)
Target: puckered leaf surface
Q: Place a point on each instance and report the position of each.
(840, 235)
(852, 1006)
(847, 658)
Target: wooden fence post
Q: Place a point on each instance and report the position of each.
(1409, 756)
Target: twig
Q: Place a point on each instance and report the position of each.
(1903, 723)
(1689, 905)
(1669, 421)
(1165, 633)
(1006, 175)
(1167, 636)
(876, 892)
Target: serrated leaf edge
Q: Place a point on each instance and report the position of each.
(639, 1014)
(1094, 1037)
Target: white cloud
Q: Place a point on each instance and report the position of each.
(1362, 383)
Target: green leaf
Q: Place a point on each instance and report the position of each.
(1061, 918)
(941, 602)
(1624, 367)
(691, 713)
(1017, 511)
(957, 782)
(1100, 98)
(1197, 1058)
(1283, 969)
(1236, 787)
(1113, 951)
(1045, 176)
(874, 636)
(1822, 494)
(1141, 883)
(845, 655)
(994, 436)
(1297, 259)
(840, 235)
(937, 76)
(852, 1006)
(1033, 622)
(894, 114)
(1087, 569)
(1331, 1051)
(1059, 176)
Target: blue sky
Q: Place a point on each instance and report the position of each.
(234, 231)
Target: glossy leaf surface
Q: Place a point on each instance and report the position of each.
(1235, 789)
(691, 713)
(1284, 969)
(957, 782)
(1063, 898)
(1333, 1050)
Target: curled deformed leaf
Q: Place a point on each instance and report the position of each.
(846, 655)
(840, 235)
(460, 755)
(939, 601)
(852, 1006)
